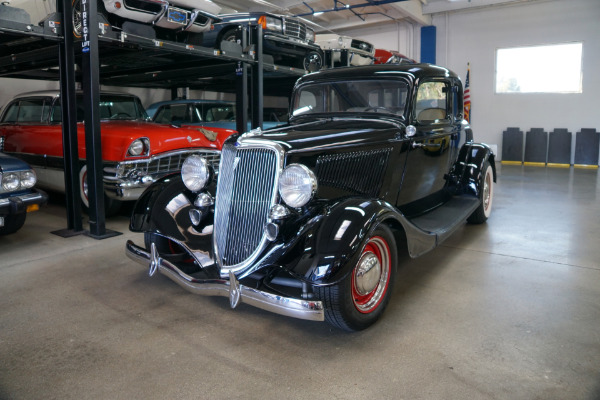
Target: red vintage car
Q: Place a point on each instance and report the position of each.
(391, 57)
(135, 152)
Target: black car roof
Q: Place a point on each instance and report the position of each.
(418, 71)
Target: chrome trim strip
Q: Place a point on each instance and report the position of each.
(288, 306)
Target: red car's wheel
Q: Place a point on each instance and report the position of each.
(359, 300)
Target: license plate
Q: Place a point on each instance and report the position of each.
(177, 15)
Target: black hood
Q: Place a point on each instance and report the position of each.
(330, 132)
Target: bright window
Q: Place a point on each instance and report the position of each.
(539, 69)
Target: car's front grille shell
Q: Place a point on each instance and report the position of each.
(294, 29)
(246, 191)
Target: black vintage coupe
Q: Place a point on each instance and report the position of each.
(307, 219)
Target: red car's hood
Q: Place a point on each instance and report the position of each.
(118, 135)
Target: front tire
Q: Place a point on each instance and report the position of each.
(486, 196)
(360, 298)
(111, 206)
(77, 18)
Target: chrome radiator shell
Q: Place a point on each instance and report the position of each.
(246, 191)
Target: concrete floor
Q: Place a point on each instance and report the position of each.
(506, 310)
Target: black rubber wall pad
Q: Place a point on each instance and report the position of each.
(559, 147)
(536, 146)
(587, 147)
(512, 145)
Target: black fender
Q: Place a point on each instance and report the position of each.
(467, 170)
(164, 208)
(329, 245)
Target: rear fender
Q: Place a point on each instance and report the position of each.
(469, 166)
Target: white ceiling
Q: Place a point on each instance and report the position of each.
(334, 15)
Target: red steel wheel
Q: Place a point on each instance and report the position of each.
(370, 278)
(358, 300)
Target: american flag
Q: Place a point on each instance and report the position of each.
(467, 96)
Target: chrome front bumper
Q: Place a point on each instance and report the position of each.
(291, 307)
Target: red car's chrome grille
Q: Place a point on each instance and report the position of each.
(165, 163)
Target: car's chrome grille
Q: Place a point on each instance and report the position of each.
(359, 172)
(246, 191)
(295, 29)
(165, 163)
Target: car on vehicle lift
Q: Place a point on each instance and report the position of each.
(176, 20)
(344, 51)
(135, 151)
(307, 220)
(288, 40)
(18, 196)
(383, 56)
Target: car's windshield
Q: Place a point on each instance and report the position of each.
(112, 106)
(360, 96)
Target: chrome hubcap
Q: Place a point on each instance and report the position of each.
(371, 276)
(367, 274)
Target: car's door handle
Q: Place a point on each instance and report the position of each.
(416, 145)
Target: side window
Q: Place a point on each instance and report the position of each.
(432, 101)
(11, 113)
(56, 115)
(306, 103)
(31, 110)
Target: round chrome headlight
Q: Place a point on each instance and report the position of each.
(137, 147)
(297, 185)
(10, 182)
(195, 173)
(28, 179)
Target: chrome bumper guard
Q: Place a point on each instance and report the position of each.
(291, 307)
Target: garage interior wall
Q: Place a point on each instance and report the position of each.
(475, 35)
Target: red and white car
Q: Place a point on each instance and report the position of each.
(135, 152)
(383, 56)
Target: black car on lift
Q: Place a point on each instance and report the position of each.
(287, 39)
(307, 219)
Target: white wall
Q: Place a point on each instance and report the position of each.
(473, 36)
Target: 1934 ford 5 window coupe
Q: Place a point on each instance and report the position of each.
(307, 219)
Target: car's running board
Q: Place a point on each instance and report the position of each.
(437, 225)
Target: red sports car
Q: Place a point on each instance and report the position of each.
(135, 152)
(391, 57)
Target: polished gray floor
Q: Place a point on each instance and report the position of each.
(505, 310)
